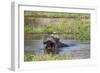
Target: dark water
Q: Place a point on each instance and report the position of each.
(79, 49)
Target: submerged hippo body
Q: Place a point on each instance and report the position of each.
(61, 45)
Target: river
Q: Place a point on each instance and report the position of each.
(76, 48)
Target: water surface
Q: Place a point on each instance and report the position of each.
(76, 48)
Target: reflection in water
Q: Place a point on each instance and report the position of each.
(82, 50)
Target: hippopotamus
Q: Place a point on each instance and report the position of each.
(53, 44)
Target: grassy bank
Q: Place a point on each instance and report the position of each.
(45, 57)
(76, 26)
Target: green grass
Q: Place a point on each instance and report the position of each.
(47, 57)
(76, 29)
